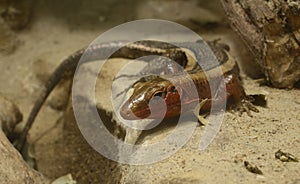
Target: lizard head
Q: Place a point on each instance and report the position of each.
(150, 98)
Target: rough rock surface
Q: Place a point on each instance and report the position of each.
(270, 29)
(13, 169)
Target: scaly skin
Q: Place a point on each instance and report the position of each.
(133, 51)
(138, 105)
(95, 52)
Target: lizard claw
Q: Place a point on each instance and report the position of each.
(247, 106)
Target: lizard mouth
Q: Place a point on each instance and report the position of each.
(150, 111)
(127, 113)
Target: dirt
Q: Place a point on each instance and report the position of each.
(57, 29)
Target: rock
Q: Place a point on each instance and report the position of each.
(13, 168)
(10, 116)
(270, 29)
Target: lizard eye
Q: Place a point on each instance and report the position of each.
(173, 89)
(158, 97)
(159, 94)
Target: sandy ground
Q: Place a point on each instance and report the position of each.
(54, 34)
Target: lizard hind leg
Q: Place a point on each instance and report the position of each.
(157, 66)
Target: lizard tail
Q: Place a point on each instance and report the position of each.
(70, 63)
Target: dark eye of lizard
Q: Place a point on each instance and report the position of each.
(159, 94)
(173, 89)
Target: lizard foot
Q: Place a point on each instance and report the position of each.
(247, 106)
